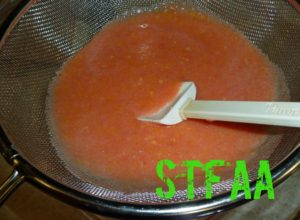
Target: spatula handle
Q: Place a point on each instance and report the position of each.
(270, 113)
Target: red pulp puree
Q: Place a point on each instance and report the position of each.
(132, 68)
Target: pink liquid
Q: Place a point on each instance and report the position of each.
(133, 67)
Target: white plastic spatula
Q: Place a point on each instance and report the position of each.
(185, 106)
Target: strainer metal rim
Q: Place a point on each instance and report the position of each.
(112, 208)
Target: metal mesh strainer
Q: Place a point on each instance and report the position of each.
(49, 32)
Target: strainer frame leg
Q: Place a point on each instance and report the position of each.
(10, 185)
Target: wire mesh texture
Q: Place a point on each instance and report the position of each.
(50, 32)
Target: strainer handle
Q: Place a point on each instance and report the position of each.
(11, 183)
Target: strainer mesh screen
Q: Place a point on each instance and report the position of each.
(52, 31)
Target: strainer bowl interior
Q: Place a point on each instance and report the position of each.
(47, 33)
